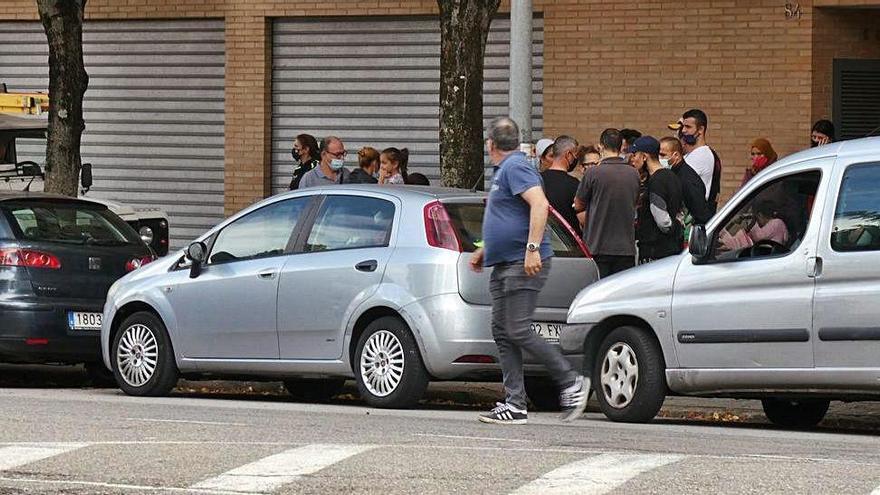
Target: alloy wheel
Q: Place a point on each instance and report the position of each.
(382, 363)
(620, 375)
(137, 355)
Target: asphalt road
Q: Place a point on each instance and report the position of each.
(77, 440)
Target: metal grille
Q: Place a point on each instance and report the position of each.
(153, 112)
(376, 82)
(856, 98)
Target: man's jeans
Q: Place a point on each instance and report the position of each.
(610, 264)
(514, 297)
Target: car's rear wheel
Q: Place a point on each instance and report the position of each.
(142, 356)
(388, 367)
(313, 389)
(629, 376)
(543, 393)
(795, 413)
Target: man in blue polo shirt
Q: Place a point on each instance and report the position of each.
(517, 247)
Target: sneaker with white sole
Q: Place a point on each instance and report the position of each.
(505, 414)
(573, 399)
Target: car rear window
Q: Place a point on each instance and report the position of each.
(468, 221)
(73, 223)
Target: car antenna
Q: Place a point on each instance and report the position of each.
(480, 178)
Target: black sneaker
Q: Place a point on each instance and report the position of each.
(574, 399)
(505, 414)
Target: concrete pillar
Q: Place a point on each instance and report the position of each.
(521, 66)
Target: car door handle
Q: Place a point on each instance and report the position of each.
(367, 266)
(267, 275)
(814, 266)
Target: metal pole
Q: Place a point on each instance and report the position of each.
(521, 66)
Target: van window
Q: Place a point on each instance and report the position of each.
(857, 216)
(467, 218)
(772, 221)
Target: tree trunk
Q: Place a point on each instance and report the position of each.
(464, 27)
(68, 80)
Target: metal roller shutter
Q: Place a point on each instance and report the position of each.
(375, 82)
(856, 98)
(153, 112)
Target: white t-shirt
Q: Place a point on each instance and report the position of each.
(702, 160)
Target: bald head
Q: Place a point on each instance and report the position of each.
(504, 133)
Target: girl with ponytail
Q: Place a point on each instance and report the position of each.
(392, 169)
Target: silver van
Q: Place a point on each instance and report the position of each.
(778, 299)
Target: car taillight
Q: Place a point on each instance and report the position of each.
(439, 229)
(135, 263)
(29, 258)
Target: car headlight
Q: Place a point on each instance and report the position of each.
(146, 234)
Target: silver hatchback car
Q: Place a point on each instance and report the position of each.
(776, 300)
(315, 286)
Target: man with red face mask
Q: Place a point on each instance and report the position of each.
(763, 155)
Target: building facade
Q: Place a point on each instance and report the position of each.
(208, 94)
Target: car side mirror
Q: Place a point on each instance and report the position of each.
(698, 244)
(85, 176)
(197, 253)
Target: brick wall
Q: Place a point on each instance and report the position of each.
(624, 64)
(644, 63)
(840, 33)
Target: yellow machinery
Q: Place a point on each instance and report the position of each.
(23, 103)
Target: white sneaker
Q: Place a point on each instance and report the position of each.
(574, 399)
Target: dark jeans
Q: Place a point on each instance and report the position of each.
(514, 297)
(611, 264)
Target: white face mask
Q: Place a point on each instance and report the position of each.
(665, 162)
(337, 164)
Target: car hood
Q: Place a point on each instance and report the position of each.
(622, 291)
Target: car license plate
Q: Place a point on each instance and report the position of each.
(549, 331)
(84, 321)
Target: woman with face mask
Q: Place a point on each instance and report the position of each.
(305, 157)
(763, 155)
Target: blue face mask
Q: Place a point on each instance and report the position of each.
(689, 139)
(337, 164)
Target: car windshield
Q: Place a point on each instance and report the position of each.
(467, 218)
(72, 223)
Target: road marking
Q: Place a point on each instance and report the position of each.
(116, 486)
(596, 475)
(460, 437)
(270, 473)
(186, 421)
(18, 455)
(876, 491)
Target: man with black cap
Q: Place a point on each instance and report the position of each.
(659, 229)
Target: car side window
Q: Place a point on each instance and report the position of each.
(350, 222)
(561, 240)
(259, 234)
(772, 221)
(857, 215)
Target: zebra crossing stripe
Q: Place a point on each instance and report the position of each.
(18, 455)
(270, 473)
(595, 475)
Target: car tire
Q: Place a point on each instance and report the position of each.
(99, 376)
(142, 357)
(543, 393)
(388, 366)
(630, 376)
(795, 413)
(313, 389)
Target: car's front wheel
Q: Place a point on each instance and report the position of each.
(313, 389)
(795, 413)
(629, 376)
(142, 356)
(388, 367)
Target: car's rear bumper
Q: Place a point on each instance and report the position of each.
(451, 331)
(35, 331)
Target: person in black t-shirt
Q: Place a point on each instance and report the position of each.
(693, 190)
(559, 186)
(659, 229)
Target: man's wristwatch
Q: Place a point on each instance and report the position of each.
(532, 247)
